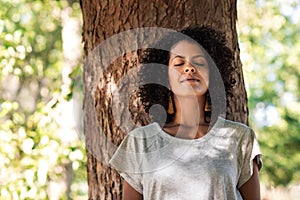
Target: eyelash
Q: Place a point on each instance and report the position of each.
(177, 65)
(200, 64)
(197, 64)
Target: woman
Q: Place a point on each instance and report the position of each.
(192, 152)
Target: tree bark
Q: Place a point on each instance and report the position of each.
(105, 18)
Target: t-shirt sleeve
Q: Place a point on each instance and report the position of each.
(127, 161)
(250, 151)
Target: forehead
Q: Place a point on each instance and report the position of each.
(186, 48)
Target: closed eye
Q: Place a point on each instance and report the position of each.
(199, 61)
(199, 64)
(178, 61)
(178, 64)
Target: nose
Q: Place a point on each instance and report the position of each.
(190, 69)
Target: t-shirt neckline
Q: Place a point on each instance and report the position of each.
(218, 124)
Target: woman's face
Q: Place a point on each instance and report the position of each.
(188, 69)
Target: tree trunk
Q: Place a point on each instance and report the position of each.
(105, 18)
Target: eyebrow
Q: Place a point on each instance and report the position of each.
(201, 56)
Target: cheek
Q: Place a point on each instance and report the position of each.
(173, 76)
(205, 74)
(207, 79)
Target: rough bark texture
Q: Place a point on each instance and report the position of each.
(104, 18)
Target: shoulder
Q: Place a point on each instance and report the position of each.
(233, 124)
(145, 131)
(238, 129)
(141, 137)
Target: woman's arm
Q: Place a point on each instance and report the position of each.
(251, 189)
(129, 193)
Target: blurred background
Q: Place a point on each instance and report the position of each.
(42, 153)
(270, 53)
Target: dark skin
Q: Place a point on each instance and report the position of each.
(189, 78)
(129, 193)
(249, 191)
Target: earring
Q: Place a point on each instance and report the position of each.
(207, 107)
(170, 106)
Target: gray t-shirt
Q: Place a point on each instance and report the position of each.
(163, 167)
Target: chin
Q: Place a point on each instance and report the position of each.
(190, 94)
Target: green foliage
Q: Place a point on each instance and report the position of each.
(36, 149)
(270, 52)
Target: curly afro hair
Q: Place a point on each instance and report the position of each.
(154, 81)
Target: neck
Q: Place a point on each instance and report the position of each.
(189, 110)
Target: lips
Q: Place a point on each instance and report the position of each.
(190, 79)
